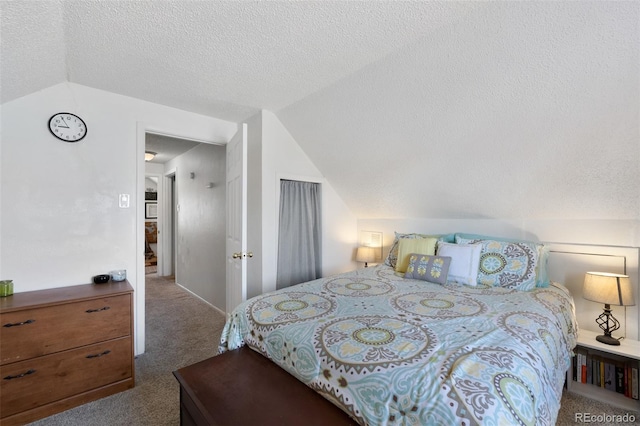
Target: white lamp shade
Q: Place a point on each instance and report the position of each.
(610, 289)
(366, 254)
(148, 155)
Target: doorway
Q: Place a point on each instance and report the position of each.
(170, 166)
(191, 213)
(153, 252)
(223, 133)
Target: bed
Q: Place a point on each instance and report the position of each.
(388, 348)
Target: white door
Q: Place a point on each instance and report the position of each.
(237, 219)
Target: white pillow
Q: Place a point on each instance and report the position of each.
(465, 261)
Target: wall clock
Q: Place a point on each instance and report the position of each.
(67, 127)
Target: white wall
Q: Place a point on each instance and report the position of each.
(60, 219)
(518, 110)
(282, 158)
(201, 224)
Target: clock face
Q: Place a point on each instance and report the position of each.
(67, 127)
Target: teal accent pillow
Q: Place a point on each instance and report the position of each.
(509, 264)
(542, 276)
(392, 257)
(434, 269)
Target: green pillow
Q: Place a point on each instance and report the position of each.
(392, 257)
(406, 246)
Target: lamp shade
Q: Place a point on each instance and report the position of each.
(610, 289)
(366, 254)
(148, 155)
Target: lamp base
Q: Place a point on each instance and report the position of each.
(608, 340)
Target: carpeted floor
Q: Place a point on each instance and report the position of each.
(572, 404)
(182, 329)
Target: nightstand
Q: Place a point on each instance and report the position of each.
(605, 367)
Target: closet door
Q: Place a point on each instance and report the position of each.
(299, 234)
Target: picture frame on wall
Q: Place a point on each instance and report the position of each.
(151, 210)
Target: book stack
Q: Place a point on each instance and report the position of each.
(607, 371)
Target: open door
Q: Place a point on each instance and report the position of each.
(236, 249)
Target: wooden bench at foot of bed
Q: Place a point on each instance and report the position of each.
(242, 387)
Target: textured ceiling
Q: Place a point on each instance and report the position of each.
(409, 108)
(225, 59)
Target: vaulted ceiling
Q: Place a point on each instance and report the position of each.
(227, 59)
(410, 109)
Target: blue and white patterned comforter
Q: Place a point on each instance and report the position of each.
(389, 350)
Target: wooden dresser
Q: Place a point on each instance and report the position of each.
(64, 347)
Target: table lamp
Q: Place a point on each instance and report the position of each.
(610, 289)
(366, 255)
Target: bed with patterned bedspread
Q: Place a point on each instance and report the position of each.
(389, 350)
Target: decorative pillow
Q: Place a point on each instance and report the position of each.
(465, 259)
(434, 269)
(392, 257)
(507, 264)
(542, 277)
(406, 246)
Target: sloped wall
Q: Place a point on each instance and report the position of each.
(521, 111)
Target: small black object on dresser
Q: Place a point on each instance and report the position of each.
(101, 279)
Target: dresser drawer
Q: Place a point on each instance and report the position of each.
(29, 384)
(35, 332)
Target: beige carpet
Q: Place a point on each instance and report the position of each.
(182, 329)
(572, 404)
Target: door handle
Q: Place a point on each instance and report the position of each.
(242, 255)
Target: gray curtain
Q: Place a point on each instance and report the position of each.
(299, 243)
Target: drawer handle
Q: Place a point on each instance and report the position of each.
(26, 373)
(106, 308)
(15, 324)
(99, 355)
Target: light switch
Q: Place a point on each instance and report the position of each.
(123, 201)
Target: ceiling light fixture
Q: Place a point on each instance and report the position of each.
(148, 155)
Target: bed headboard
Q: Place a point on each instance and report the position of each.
(568, 263)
